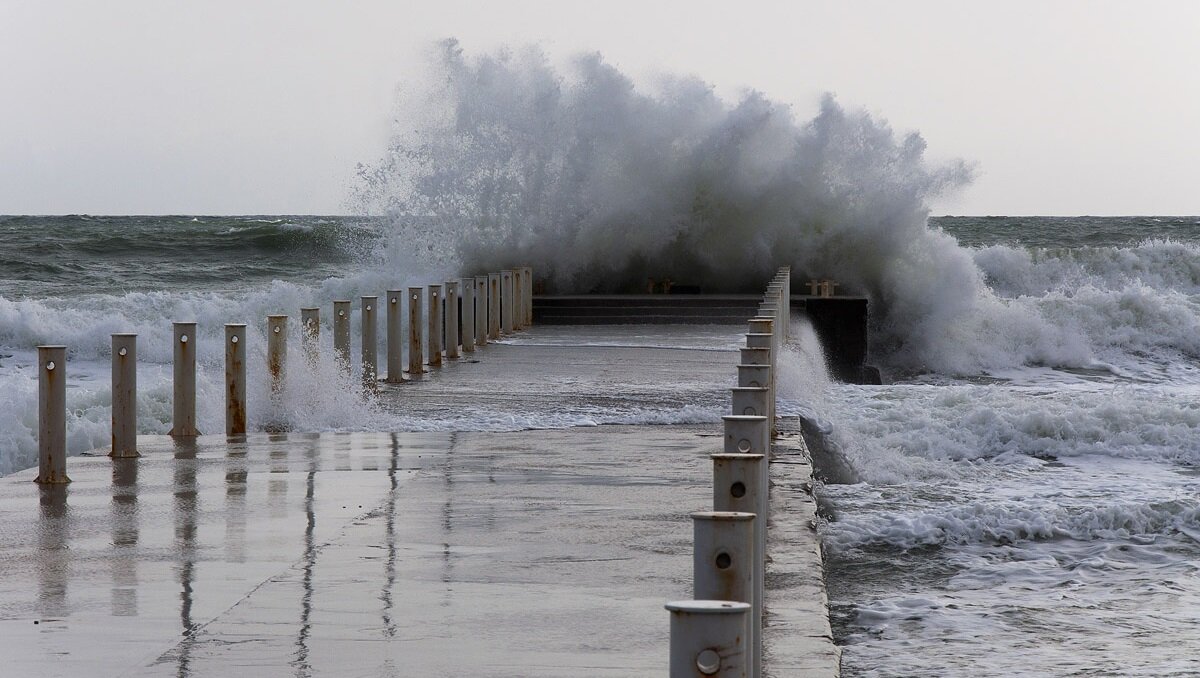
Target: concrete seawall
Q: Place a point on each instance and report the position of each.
(522, 553)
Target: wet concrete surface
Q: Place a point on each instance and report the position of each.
(528, 553)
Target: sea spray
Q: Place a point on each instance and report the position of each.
(600, 185)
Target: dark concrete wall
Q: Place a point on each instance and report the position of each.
(841, 325)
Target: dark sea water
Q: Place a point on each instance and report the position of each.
(1029, 475)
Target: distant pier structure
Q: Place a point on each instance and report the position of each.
(840, 321)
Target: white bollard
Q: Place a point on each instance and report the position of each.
(235, 380)
(483, 307)
(468, 315)
(767, 326)
(369, 351)
(124, 395)
(183, 405)
(493, 306)
(708, 639)
(724, 560)
(415, 359)
(341, 334)
(452, 312)
(755, 356)
(52, 415)
(276, 350)
(758, 376)
(310, 333)
(751, 400)
(759, 340)
(395, 337)
(518, 313)
(528, 278)
(746, 434)
(738, 486)
(506, 302)
(435, 326)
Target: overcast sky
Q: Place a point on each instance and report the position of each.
(120, 107)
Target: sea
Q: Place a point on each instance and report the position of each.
(1024, 488)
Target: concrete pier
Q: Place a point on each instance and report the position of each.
(403, 553)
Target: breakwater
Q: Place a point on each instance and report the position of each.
(328, 464)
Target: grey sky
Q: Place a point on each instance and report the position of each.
(265, 107)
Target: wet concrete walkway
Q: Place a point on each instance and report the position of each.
(532, 553)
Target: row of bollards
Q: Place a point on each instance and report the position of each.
(466, 313)
(719, 633)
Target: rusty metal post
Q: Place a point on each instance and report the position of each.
(708, 639)
(276, 351)
(395, 337)
(124, 395)
(415, 359)
(235, 380)
(452, 313)
(52, 415)
(723, 566)
(493, 306)
(738, 487)
(506, 302)
(369, 351)
(468, 315)
(341, 334)
(483, 305)
(183, 405)
(310, 333)
(435, 325)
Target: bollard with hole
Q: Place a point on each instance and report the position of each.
(415, 359)
(235, 380)
(310, 333)
(183, 405)
(276, 350)
(723, 565)
(750, 400)
(395, 337)
(768, 327)
(369, 350)
(52, 415)
(435, 325)
(758, 376)
(761, 356)
(468, 315)
(751, 435)
(341, 335)
(124, 395)
(493, 306)
(483, 305)
(506, 302)
(738, 486)
(452, 314)
(708, 638)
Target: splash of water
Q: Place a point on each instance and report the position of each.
(600, 185)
